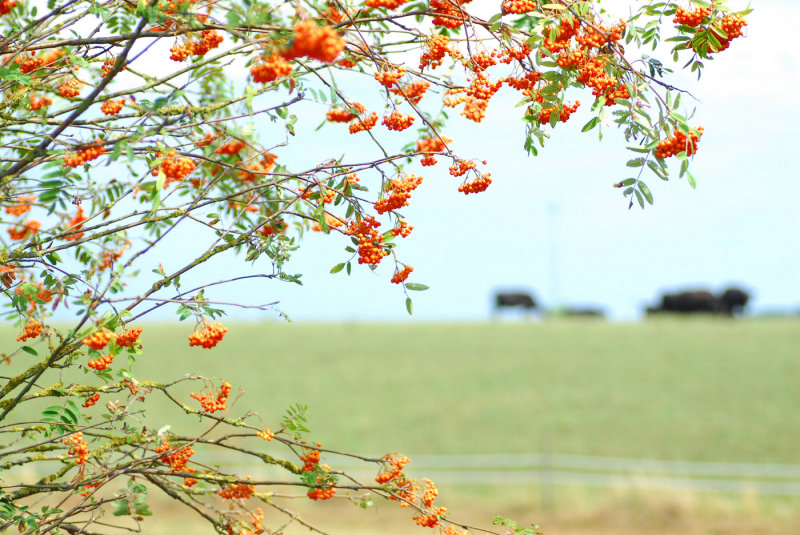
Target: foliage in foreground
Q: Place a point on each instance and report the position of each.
(124, 123)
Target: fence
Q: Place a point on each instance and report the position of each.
(610, 472)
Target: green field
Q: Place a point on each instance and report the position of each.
(671, 389)
(700, 390)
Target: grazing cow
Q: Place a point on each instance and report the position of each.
(698, 301)
(732, 301)
(514, 300)
(729, 302)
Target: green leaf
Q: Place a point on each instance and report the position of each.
(337, 268)
(591, 124)
(409, 306)
(29, 350)
(636, 162)
(417, 287)
(639, 198)
(648, 195)
(662, 174)
(690, 178)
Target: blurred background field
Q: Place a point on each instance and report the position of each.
(671, 425)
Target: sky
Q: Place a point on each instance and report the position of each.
(554, 226)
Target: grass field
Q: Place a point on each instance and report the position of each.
(700, 390)
(670, 389)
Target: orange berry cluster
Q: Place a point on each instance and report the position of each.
(108, 64)
(209, 336)
(178, 459)
(310, 40)
(321, 493)
(392, 472)
(101, 363)
(482, 60)
(98, 340)
(691, 18)
(266, 434)
(477, 185)
(361, 124)
(518, 6)
(74, 225)
(271, 68)
(389, 78)
(593, 74)
(430, 520)
(438, 47)
(510, 54)
(6, 6)
(174, 167)
(28, 228)
(429, 145)
(278, 226)
(333, 15)
(85, 155)
(128, 338)
(412, 92)
(430, 493)
(212, 403)
(732, 26)
(256, 169)
(36, 102)
(480, 90)
(391, 468)
(567, 28)
(448, 13)
(30, 64)
(33, 62)
(208, 139)
(77, 447)
(340, 115)
(370, 243)
(595, 38)
(678, 143)
(231, 148)
(386, 4)
(397, 121)
(87, 489)
(563, 114)
(310, 459)
(22, 206)
(570, 58)
(401, 275)
(327, 196)
(208, 39)
(238, 490)
(402, 229)
(69, 89)
(91, 400)
(32, 329)
(400, 189)
(461, 167)
(112, 107)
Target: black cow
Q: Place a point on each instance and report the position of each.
(732, 301)
(729, 302)
(513, 300)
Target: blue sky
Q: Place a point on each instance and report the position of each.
(554, 224)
